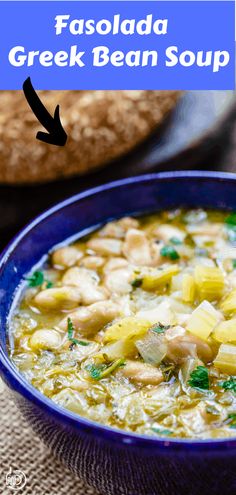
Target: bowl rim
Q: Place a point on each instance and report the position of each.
(66, 417)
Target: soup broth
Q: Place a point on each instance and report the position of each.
(134, 326)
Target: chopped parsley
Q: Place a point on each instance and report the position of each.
(99, 371)
(82, 342)
(169, 252)
(232, 418)
(199, 378)
(162, 431)
(70, 333)
(231, 219)
(96, 371)
(49, 284)
(230, 223)
(229, 384)
(37, 279)
(176, 241)
(159, 328)
(137, 282)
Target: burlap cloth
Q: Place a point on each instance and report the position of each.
(20, 449)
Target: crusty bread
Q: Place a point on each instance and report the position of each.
(101, 125)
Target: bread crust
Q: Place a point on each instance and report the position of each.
(101, 126)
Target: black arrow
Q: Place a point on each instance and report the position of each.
(56, 134)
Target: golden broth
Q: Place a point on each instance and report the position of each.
(135, 326)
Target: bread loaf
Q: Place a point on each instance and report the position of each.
(101, 126)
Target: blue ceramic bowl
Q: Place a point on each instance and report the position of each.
(113, 461)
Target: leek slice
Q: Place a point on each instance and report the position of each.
(152, 348)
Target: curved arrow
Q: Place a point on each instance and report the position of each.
(56, 134)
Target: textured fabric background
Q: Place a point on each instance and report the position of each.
(20, 449)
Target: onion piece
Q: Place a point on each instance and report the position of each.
(185, 372)
(152, 348)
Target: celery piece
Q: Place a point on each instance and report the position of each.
(188, 288)
(228, 306)
(225, 331)
(126, 328)
(209, 281)
(203, 320)
(153, 279)
(225, 360)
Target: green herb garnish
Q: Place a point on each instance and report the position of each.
(38, 279)
(95, 371)
(70, 328)
(82, 342)
(229, 384)
(231, 219)
(137, 282)
(232, 417)
(234, 263)
(70, 333)
(162, 431)
(99, 371)
(199, 378)
(169, 252)
(49, 284)
(159, 328)
(176, 241)
(230, 223)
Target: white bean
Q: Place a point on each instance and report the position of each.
(66, 256)
(114, 264)
(118, 281)
(136, 248)
(92, 262)
(117, 229)
(106, 246)
(45, 339)
(165, 232)
(87, 283)
(90, 320)
(183, 346)
(58, 298)
(142, 373)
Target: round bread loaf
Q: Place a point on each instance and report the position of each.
(101, 126)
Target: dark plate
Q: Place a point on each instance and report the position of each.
(200, 120)
(199, 124)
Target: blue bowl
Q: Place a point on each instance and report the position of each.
(116, 462)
